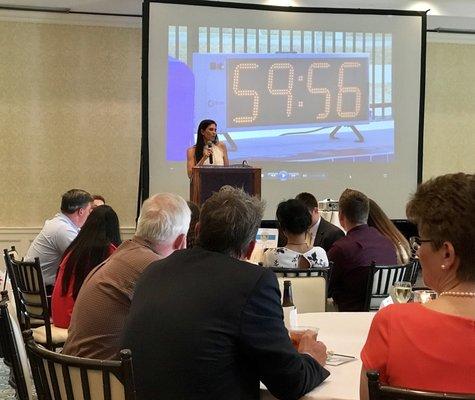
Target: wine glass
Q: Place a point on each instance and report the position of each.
(401, 292)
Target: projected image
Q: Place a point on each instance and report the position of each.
(292, 96)
(318, 99)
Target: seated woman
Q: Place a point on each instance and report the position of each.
(378, 219)
(431, 346)
(96, 241)
(207, 148)
(294, 221)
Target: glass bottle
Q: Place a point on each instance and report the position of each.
(288, 306)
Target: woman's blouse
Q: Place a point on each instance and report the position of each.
(414, 347)
(218, 155)
(282, 257)
(62, 306)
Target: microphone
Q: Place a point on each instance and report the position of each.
(209, 144)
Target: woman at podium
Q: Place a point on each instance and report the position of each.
(208, 150)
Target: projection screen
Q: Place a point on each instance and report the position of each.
(320, 99)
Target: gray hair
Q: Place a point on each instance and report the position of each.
(163, 217)
(229, 220)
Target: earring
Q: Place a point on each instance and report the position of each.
(443, 266)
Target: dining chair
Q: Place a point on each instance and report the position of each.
(12, 252)
(382, 392)
(9, 282)
(294, 272)
(13, 352)
(32, 304)
(309, 292)
(413, 272)
(380, 280)
(62, 377)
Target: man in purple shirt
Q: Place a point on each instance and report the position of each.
(353, 254)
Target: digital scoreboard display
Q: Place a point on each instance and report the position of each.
(268, 91)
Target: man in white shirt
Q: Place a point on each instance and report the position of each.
(321, 233)
(58, 233)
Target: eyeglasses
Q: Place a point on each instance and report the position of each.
(416, 241)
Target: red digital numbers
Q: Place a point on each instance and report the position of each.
(319, 90)
(342, 89)
(290, 84)
(246, 92)
(323, 78)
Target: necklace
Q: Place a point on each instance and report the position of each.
(458, 294)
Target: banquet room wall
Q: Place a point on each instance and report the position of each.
(70, 106)
(70, 116)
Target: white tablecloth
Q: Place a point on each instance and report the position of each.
(344, 333)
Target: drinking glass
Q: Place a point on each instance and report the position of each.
(423, 296)
(296, 332)
(401, 292)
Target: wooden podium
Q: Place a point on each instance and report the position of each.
(207, 180)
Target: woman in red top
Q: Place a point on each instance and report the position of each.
(431, 346)
(96, 241)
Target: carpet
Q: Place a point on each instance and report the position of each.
(6, 391)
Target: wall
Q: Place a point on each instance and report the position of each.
(70, 117)
(449, 134)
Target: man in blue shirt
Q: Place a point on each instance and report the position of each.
(58, 233)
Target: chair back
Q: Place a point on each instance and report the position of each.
(13, 254)
(381, 392)
(412, 273)
(31, 290)
(9, 278)
(13, 350)
(380, 280)
(300, 272)
(309, 292)
(61, 377)
(32, 301)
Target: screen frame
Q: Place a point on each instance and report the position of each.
(144, 178)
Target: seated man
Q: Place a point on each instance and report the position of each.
(353, 254)
(104, 299)
(58, 233)
(321, 232)
(205, 324)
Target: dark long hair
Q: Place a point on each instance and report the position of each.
(90, 247)
(200, 141)
(293, 216)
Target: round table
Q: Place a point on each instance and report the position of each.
(343, 333)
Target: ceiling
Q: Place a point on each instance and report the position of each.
(443, 13)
